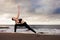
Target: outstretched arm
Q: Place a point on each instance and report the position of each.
(18, 12)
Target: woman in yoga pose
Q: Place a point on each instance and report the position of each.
(20, 22)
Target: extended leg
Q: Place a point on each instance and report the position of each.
(27, 26)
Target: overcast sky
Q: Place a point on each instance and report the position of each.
(32, 11)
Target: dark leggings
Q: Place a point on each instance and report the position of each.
(24, 24)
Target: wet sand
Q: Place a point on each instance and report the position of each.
(27, 36)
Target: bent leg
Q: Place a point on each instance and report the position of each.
(15, 27)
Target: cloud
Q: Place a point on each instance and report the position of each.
(33, 11)
(45, 6)
(29, 6)
(57, 11)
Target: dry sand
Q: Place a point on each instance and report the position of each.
(27, 36)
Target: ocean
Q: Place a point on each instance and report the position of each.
(37, 28)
